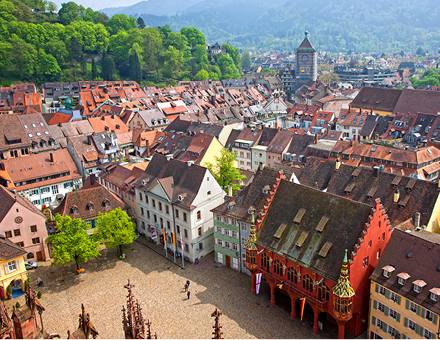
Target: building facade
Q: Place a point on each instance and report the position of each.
(306, 61)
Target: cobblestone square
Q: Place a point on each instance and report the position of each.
(159, 289)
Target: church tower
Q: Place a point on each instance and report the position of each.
(306, 61)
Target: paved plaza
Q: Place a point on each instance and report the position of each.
(159, 289)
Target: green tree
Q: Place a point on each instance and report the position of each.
(76, 52)
(83, 64)
(193, 36)
(71, 243)
(70, 12)
(107, 67)
(202, 75)
(329, 78)
(224, 171)
(173, 62)
(119, 22)
(420, 51)
(140, 23)
(114, 228)
(94, 69)
(246, 59)
(233, 53)
(135, 71)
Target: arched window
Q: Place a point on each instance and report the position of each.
(342, 306)
(291, 275)
(250, 257)
(323, 292)
(264, 260)
(277, 268)
(307, 283)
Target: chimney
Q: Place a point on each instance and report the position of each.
(230, 191)
(169, 157)
(417, 219)
(190, 163)
(2, 166)
(261, 166)
(352, 143)
(51, 157)
(113, 116)
(397, 196)
(376, 172)
(338, 164)
(89, 139)
(92, 179)
(103, 118)
(276, 125)
(60, 124)
(147, 144)
(316, 138)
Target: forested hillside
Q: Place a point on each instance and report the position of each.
(335, 25)
(41, 45)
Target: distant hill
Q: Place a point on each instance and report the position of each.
(334, 25)
(154, 7)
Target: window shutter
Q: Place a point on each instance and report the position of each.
(387, 294)
(374, 320)
(18, 264)
(432, 335)
(398, 317)
(374, 304)
(377, 288)
(421, 331)
(418, 310)
(6, 268)
(417, 329)
(423, 312)
(405, 322)
(407, 304)
(387, 311)
(399, 299)
(384, 327)
(434, 320)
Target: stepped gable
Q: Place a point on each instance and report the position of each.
(421, 245)
(252, 195)
(360, 184)
(300, 240)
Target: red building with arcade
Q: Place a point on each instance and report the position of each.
(299, 244)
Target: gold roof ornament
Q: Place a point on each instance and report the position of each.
(343, 288)
(250, 243)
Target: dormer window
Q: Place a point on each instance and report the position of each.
(387, 271)
(418, 285)
(90, 206)
(75, 209)
(434, 294)
(402, 277)
(106, 203)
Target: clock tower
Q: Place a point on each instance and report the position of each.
(306, 61)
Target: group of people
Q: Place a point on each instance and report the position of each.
(188, 293)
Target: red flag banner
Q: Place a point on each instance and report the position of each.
(303, 304)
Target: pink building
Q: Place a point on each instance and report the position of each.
(23, 224)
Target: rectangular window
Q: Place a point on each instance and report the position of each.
(154, 203)
(219, 257)
(161, 222)
(146, 199)
(33, 228)
(142, 211)
(365, 262)
(168, 225)
(393, 314)
(394, 297)
(219, 242)
(234, 234)
(160, 206)
(243, 240)
(381, 307)
(36, 240)
(429, 315)
(20, 244)
(177, 213)
(226, 244)
(36, 202)
(140, 196)
(55, 189)
(167, 209)
(17, 232)
(382, 290)
(199, 215)
(392, 331)
(185, 233)
(184, 217)
(411, 325)
(155, 218)
(235, 246)
(10, 266)
(199, 231)
(178, 229)
(412, 307)
(379, 323)
(148, 214)
(186, 247)
(47, 199)
(219, 229)
(427, 334)
(8, 234)
(201, 246)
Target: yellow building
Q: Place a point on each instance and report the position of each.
(12, 269)
(405, 288)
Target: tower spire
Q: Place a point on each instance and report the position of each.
(250, 243)
(343, 288)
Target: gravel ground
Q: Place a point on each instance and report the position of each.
(159, 290)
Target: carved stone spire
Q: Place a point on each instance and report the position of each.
(218, 334)
(343, 288)
(250, 243)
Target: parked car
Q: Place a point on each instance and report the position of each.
(30, 265)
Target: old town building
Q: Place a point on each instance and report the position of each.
(298, 244)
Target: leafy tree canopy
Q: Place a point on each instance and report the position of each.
(225, 172)
(114, 228)
(71, 243)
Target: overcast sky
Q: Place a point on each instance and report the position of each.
(99, 4)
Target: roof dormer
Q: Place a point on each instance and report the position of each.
(402, 278)
(418, 285)
(434, 294)
(387, 271)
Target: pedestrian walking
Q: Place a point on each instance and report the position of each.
(186, 287)
(188, 293)
(187, 283)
